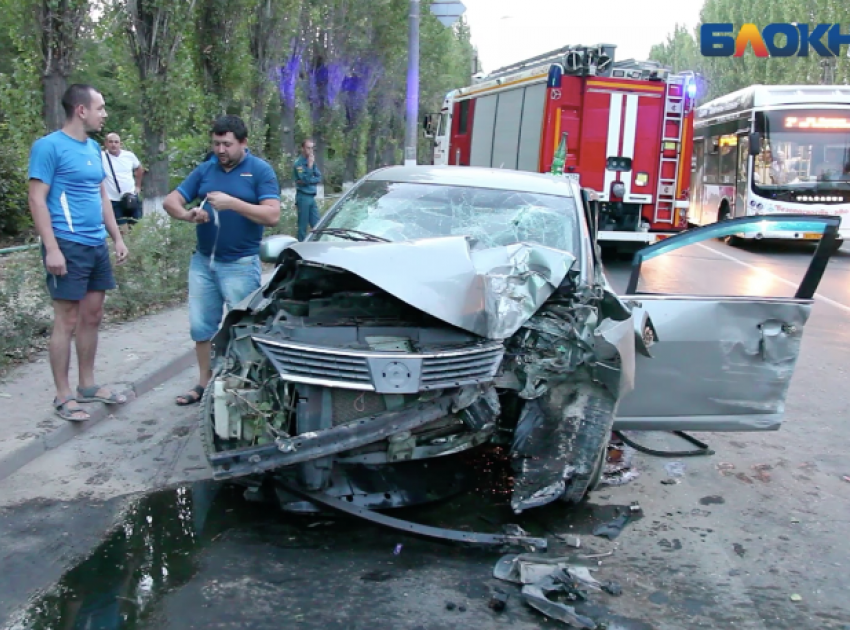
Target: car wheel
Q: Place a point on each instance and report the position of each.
(593, 437)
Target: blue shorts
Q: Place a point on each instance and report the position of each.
(89, 269)
(212, 286)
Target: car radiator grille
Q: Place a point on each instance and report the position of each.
(382, 372)
(440, 372)
(313, 363)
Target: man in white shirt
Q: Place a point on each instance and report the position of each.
(123, 176)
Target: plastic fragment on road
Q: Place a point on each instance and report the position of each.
(618, 470)
(612, 529)
(675, 469)
(541, 576)
(571, 541)
(535, 595)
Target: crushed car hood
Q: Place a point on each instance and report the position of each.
(488, 292)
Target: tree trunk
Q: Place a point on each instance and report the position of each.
(257, 135)
(372, 148)
(156, 184)
(350, 172)
(388, 158)
(288, 145)
(321, 151)
(54, 85)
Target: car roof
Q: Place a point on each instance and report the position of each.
(476, 177)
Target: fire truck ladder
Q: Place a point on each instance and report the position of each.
(668, 167)
(540, 61)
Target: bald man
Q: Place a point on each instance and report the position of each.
(123, 175)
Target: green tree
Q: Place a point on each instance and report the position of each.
(61, 24)
(155, 30)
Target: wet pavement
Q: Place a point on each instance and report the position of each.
(199, 556)
(753, 537)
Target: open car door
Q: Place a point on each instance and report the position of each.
(721, 363)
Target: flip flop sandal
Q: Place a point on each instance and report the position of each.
(66, 413)
(188, 398)
(89, 394)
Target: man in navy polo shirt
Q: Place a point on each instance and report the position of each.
(240, 195)
(72, 215)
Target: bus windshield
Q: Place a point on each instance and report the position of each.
(803, 150)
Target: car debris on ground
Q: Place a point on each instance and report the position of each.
(541, 576)
(613, 528)
(618, 469)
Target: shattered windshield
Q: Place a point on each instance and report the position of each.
(400, 211)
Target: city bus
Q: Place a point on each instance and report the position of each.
(770, 149)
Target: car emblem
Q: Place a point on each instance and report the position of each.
(396, 374)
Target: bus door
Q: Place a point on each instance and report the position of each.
(742, 178)
(697, 172)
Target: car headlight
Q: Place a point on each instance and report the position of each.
(618, 189)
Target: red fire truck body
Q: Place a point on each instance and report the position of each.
(629, 129)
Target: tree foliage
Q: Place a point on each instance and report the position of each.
(331, 69)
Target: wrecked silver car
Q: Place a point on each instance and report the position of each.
(438, 309)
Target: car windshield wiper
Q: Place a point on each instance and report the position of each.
(352, 235)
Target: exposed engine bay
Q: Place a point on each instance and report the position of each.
(360, 369)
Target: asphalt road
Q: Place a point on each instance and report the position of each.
(753, 537)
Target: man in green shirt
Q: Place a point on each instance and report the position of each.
(306, 176)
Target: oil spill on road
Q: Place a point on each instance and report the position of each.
(174, 546)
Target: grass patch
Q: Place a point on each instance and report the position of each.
(155, 275)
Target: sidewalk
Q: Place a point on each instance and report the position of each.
(134, 357)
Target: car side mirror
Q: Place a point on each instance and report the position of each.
(755, 143)
(272, 247)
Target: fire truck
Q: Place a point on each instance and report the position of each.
(628, 127)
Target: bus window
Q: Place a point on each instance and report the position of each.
(804, 150)
(697, 171)
(743, 155)
(728, 146)
(712, 159)
(835, 165)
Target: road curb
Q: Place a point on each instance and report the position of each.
(14, 461)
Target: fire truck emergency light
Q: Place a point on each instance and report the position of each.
(618, 189)
(692, 90)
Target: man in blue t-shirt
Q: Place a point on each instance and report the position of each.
(72, 215)
(240, 195)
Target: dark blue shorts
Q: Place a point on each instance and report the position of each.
(89, 269)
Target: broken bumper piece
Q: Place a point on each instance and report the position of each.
(427, 531)
(310, 446)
